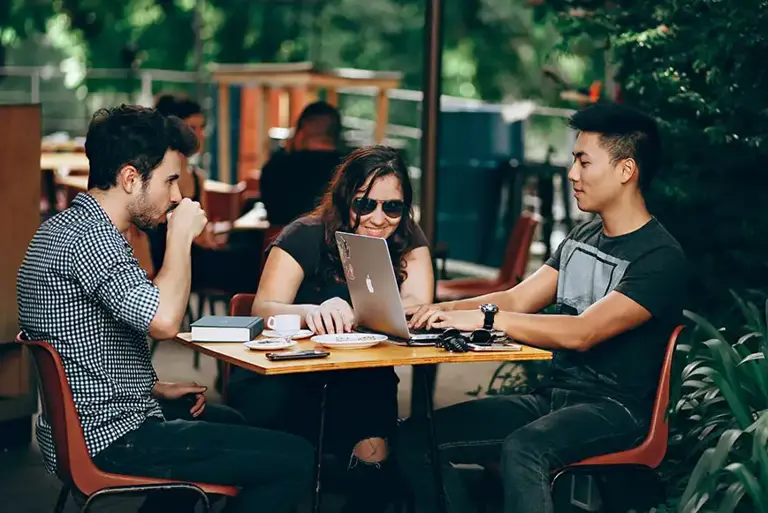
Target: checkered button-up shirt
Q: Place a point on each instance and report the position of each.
(80, 289)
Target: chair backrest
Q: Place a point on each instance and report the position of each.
(223, 205)
(252, 187)
(658, 433)
(241, 304)
(72, 459)
(518, 249)
(652, 450)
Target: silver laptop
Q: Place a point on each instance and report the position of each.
(374, 291)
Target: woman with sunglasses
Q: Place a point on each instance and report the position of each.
(370, 194)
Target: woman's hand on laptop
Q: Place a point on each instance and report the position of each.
(331, 317)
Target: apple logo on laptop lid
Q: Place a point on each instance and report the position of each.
(369, 283)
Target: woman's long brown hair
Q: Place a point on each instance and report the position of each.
(334, 211)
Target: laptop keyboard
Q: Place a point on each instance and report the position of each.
(425, 331)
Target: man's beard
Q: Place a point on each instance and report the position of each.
(143, 216)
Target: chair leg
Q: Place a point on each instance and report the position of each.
(202, 300)
(622, 488)
(145, 489)
(188, 317)
(319, 455)
(62, 499)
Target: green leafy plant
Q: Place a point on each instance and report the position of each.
(720, 409)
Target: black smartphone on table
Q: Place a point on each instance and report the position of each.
(297, 355)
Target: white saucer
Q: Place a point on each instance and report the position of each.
(349, 340)
(269, 343)
(298, 336)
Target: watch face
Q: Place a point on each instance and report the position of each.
(489, 308)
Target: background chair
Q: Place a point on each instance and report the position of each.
(74, 466)
(223, 204)
(512, 270)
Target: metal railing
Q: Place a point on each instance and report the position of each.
(68, 107)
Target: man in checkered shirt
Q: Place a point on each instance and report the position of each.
(81, 289)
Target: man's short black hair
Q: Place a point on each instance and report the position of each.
(130, 135)
(321, 119)
(626, 133)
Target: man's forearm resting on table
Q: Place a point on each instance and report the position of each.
(605, 319)
(568, 332)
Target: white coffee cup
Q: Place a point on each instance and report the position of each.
(285, 323)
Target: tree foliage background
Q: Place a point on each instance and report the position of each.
(493, 50)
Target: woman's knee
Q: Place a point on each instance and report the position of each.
(371, 450)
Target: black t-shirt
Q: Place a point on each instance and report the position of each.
(293, 183)
(304, 240)
(646, 265)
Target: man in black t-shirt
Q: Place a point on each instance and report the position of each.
(618, 283)
(294, 180)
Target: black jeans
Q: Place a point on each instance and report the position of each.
(360, 404)
(531, 435)
(274, 469)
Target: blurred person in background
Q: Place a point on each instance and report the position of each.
(294, 180)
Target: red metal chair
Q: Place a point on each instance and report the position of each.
(641, 460)
(512, 270)
(634, 468)
(73, 463)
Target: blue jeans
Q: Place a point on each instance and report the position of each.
(274, 469)
(530, 435)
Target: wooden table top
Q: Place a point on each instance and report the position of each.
(81, 182)
(70, 160)
(250, 221)
(384, 354)
(223, 187)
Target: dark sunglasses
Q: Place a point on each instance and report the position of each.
(453, 340)
(391, 208)
(481, 337)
